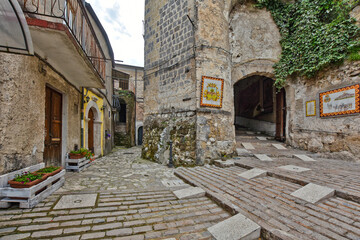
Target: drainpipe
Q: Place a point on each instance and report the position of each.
(135, 103)
(82, 119)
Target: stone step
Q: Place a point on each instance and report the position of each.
(224, 164)
(304, 158)
(248, 146)
(237, 227)
(253, 173)
(191, 192)
(313, 193)
(279, 147)
(263, 157)
(294, 168)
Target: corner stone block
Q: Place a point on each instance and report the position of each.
(253, 173)
(191, 192)
(237, 227)
(313, 193)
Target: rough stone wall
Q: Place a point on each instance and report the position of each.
(169, 80)
(337, 137)
(254, 40)
(176, 127)
(23, 80)
(215, 136)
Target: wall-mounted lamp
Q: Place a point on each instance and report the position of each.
(103, 107)
(87, 99)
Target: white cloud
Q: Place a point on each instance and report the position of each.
(122, 20)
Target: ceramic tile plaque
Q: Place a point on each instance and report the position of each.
(340, 101)
(311, 108)
(211, 92)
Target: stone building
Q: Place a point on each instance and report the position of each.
(232, 45)
(42, 89)
(129, 89)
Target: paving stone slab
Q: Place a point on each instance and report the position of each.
(253, 173)
(313, 193)
(173, 183)
(76, 201)
(243, 152)
(224, 164)
(237, 227)
(304, 158)
(248, 146)
(279, 146)
(263, 157)
(294, 168)
(262, 138)
(191, 192)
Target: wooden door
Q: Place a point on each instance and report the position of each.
(280, 115)
(53, 127)
(91, 130)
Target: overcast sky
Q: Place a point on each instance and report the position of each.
(122, 20)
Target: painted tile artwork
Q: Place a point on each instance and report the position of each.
(340, 101)
(311, 108)
(212, 92)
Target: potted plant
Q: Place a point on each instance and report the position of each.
(27, 179)
(76, 154)
(49, 171)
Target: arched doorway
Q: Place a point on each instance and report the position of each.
(140, 135)
(91, 130)
(259, 107)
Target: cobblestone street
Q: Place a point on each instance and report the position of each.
(134, 200)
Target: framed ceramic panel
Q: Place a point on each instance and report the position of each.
(212, 92)
(340, 101)
(311, 108)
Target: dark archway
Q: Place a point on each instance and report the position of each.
(255, 104)
(140, 135)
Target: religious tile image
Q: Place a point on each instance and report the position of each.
(311, 108)
(212, 92)
(340, 101)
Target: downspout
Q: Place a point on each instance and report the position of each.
(82, 119)
(135, 103)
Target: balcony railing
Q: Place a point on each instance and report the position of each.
(73, 14)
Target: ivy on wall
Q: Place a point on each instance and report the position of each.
(314, 34)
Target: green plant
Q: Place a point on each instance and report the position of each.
(314, 34)
(27, 177)
(47, 169)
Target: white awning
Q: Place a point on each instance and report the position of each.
(14, 32)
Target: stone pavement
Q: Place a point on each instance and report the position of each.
(119, 196)
(267, 200)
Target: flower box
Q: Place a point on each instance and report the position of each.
(29, 196)
(75, 155)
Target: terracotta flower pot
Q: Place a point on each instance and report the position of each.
(46, 175)
(75, 155)
(15, 184)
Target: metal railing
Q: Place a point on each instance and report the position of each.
(73, 14)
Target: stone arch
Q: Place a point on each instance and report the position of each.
(138, 126)
(97, 127)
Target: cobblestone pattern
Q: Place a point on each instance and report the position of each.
(132, 215)
(267, 201)
(132, 203)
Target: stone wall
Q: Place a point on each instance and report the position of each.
(169, 80)
(215, 132)
(180, 128)
(337, 137)
(23, 80)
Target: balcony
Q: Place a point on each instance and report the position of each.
(62, 34)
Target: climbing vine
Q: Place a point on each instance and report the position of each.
(314, 34)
